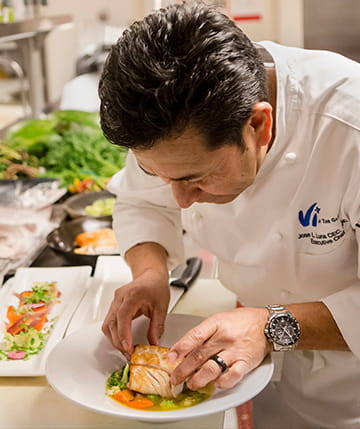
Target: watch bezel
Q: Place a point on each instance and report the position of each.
(291, 341)
(277, 312)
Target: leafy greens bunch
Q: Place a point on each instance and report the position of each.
(67, 145)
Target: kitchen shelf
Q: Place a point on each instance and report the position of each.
(29, 36)
(27, 28)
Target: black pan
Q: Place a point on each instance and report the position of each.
(61, 239)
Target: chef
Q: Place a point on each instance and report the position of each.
(253, 150)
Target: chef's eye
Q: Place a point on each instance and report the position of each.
(146, 172)
(197, 181)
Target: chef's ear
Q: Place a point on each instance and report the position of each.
(261, 121)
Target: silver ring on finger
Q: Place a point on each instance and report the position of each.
(220, 361)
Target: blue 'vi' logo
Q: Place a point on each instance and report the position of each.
(311, 215)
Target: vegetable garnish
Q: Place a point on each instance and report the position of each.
(28, 325)
(101, 207)
(116, 388)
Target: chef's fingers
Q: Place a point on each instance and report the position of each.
(122, 333)
(156, 327)
(209, 371)
(234, 374)
(124, 344)
(193, 339)
(110, 318)
(117, 325)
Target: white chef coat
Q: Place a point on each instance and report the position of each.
(290, 237)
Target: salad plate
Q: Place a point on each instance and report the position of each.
(79, 365)
(71, 283)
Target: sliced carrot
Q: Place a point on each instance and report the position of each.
(12, 316)
(41, 323)
(141, 403)
(26, 320)
(26, 293)
(16, 327)
(124, 396)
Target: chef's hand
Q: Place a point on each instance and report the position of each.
(236, 336)
(148, 294)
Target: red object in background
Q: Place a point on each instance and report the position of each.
(254, 17)
(245, 416)
(244, 10)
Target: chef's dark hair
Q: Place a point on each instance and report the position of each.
(181, 66)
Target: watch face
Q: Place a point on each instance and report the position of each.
(284, 330)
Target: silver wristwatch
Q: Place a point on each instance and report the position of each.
(282, 329)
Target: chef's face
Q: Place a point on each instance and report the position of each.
(197, 175)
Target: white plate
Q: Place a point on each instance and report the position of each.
(111, 272)
(80, 364)
(72, 283)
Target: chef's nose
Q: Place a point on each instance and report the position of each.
(185, 193)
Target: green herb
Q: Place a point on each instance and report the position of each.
(119, 378)
(42, 292)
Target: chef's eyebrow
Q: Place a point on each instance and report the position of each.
(175, 179)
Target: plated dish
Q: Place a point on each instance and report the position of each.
(71, 282)
(29, 322)
(79, 366)
(144, 383)
(102, 241)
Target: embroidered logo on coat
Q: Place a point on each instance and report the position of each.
(323, 230)
(311, 215)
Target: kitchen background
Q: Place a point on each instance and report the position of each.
(50, 59)
(52, 51)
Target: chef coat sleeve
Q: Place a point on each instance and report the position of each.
(344, 305)
(145, 210)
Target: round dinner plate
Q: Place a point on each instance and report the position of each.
(79, 365)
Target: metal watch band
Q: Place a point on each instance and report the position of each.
(276, 308)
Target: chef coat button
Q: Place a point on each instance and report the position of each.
(277, 236)
(196, 217)
(290, 158)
